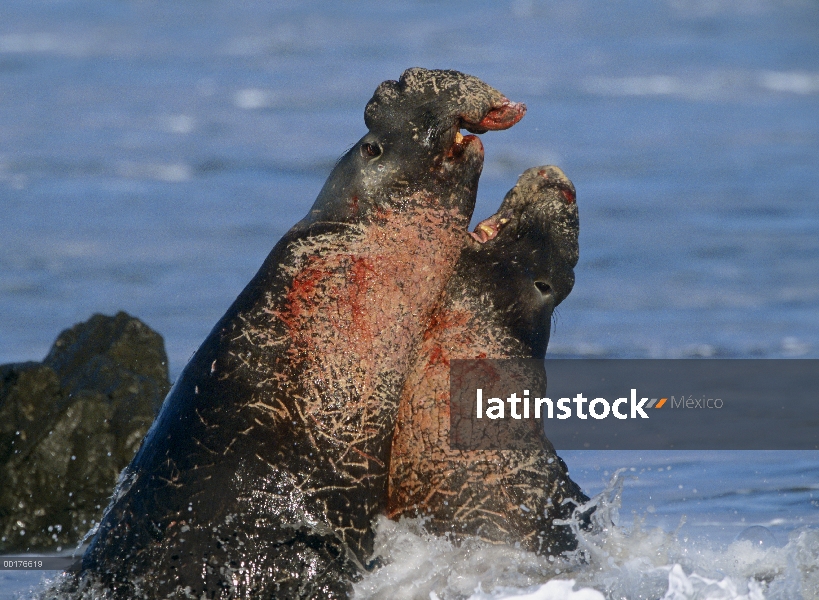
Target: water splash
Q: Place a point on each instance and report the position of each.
(612, 561)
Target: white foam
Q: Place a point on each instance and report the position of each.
(790, 82)
(556, 589)
(29, 42)
(182, 124)
(698, 9)
(793, 346)
(683, 587)
(168, 172)
(705, 86)
(612, 561)
(42, 42)
(253, 98)
(651, 85)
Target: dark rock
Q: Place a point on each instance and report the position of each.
(70, 424)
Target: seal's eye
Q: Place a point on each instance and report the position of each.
(544, 288)
(370, 150)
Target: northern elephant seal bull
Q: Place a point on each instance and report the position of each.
(497, 305)
(268, 461)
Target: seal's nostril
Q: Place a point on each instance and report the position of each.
(543, 287)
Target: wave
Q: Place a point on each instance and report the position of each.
(612, 561)
(705, 86)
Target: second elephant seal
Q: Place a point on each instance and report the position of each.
(497, 305)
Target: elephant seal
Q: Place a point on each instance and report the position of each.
(498, 304)
(268, 461)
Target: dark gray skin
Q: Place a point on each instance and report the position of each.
(263, 472)
(526, 257)
(498, 305)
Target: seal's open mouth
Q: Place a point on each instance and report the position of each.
(460, 143)
(500, 117)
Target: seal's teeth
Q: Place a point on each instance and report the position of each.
(458, 137)
(490, 231)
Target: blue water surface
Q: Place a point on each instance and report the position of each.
(152, 153)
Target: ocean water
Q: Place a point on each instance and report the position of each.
(152, 153)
